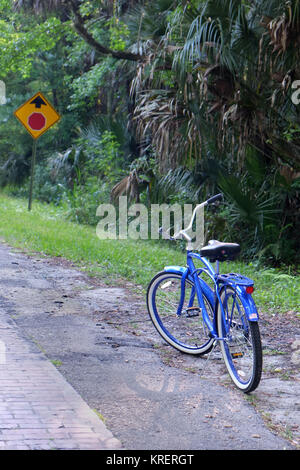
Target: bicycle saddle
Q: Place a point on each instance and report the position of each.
(219, 251)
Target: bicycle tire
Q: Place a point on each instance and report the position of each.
(241, 347)
(186, 333)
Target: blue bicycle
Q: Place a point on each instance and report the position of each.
(194, 309)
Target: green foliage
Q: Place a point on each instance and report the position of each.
(118, 34)
(87, 87)
(19, 47)
(80, 178)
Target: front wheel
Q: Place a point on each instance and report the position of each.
(185, 331)
(241, 344)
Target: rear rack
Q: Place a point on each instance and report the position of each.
(234, 278)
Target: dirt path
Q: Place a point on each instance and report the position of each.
(151, 396)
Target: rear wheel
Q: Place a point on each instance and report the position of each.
(186, 332)
(241, 347)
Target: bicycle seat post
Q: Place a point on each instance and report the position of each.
(217, 267)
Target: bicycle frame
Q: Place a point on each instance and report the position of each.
(229, 315)
(238, 282)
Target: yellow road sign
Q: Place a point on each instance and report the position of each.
(37, 115)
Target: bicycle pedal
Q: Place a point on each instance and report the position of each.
(237, 355)
(192, 312)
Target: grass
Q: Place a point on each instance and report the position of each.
(46, 230)
(100, 416)
(56, 362)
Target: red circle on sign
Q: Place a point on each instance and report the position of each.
(36, 121)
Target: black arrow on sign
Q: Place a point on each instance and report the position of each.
(38, 101)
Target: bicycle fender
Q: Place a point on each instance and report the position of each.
(248, 303)
(175, 269)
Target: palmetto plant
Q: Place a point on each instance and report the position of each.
(230, 63)
(232, 46)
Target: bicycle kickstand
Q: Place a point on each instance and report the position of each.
(207, 359)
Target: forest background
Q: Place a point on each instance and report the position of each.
(176, 100)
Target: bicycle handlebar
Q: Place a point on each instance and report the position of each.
(213, 199)
(182, 233)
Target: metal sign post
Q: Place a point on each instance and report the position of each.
(33, 160)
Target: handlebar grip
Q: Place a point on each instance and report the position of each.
(213, 199)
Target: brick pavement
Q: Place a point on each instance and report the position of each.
(39, 410)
